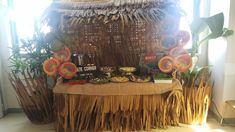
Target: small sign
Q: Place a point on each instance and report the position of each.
(147, 58)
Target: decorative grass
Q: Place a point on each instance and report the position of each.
(197, 94)
(33, 95)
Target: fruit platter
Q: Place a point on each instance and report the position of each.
(119, 79)
(140, 79)
(99, 80)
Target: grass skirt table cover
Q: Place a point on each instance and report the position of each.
(117, 106)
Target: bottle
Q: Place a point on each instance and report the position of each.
(80, 63)
(74, 59)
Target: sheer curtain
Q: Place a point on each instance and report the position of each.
(2, 14)
(4, 54)
(2, 108)
(1, 91)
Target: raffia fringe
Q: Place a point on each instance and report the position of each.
(196, 103)
(75, 13)
(101, 3)
(116, 113)
(197, 94)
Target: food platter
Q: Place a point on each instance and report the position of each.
(127, 70)
(138, 79)
(99, 80)
(119, 79)
(107, 69)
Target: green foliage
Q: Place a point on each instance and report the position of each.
(164, 76)
(215, 25)
(32, 52)
(193, 75)
(30, 55)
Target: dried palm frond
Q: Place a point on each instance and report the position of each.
(197, 93)
(35, 98)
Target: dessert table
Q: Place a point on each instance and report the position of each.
(116, 106)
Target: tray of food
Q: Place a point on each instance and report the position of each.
(119, 79)
(107, 69)
(99, 80)
(127, 69)
(138, 79)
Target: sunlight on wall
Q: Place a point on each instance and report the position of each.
(26, 13)
(187, 6)
(217, 49)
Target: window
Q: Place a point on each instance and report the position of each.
(24, 17)
(187, 6)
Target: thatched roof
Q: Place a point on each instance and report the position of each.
(72, 12)
(104, 3)
(115, 32)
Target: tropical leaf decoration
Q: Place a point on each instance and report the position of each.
(215, 25)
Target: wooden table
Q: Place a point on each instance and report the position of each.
(116, 106)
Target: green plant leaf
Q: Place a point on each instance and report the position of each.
(186, 75)
(198, 26)
(216, 24)
(227, 32)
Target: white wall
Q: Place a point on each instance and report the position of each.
(221, 55)
(216, 54)
(229, 84)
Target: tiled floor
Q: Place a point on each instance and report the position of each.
(19, 123)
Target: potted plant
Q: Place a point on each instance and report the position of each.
(29, 81)
(197, 86)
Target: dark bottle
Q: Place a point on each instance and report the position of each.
(74, 59)
(80, 62)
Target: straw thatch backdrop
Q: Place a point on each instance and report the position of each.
(111, 33)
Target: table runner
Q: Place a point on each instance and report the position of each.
(129, 88)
